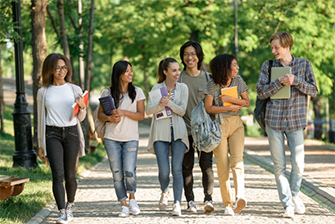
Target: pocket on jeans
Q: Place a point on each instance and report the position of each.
(74, 134)
(49, 134)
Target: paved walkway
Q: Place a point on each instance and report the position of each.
(96, 200)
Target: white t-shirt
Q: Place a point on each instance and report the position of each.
(58, 102)
(126, 129)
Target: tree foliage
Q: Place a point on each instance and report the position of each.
(146, 31)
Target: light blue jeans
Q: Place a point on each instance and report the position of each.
(162, 155)
(295, 142)
(122, 157)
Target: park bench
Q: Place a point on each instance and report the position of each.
(11, 186)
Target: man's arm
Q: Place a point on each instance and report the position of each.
(265, 89)
(306, 83)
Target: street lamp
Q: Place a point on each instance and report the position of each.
(236, 34)
(24, 154)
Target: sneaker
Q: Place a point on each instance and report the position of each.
(191, 207)
(228, 211)
(241, 203)
(176, 209)
(62, 217)
(69, 212)
(298, 205)
(134, 208)
(289, 212)
(208, 208)
(124, 212)
(163, 201)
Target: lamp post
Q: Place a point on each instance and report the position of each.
(236, 34)
(24, 154)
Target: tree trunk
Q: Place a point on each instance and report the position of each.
(195, 36)
(81, 47)
(145, 79)
(2, 105)
(88, 122)
(65, 44)
(39, 46)
(317, 105)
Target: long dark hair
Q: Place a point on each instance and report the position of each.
(119, 69)
(221, 68)
(49, 66)
(163, 66)
(198, 50)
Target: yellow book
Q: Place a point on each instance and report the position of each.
(229, 91)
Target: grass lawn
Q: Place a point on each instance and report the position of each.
(37, 192)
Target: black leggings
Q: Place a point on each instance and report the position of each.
(62, 145)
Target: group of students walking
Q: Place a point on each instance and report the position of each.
(61, 140)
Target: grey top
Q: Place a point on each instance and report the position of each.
(213, 90)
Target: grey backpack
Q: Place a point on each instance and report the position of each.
(205, 132)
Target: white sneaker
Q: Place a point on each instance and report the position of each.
(289, 212)
(228, 211)
(69, 212)
(163, 201)
(62, 217)
(191, 207)
(298, 205)
(124, 212)
(241, 203)
(176, 209)
(134, 208)
(208, 208)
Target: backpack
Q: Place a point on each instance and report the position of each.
(100, 126)
(205, 132)
(259, 112)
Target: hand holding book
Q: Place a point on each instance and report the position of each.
(107, 104)
(283, 74)
(227, 94)
(80, 102)
(161, 96)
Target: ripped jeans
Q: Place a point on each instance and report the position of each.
(122, 157)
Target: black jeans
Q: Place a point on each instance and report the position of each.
(62, 145)
(206, 165)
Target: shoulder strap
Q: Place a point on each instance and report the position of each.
(179, 80)
(208, 76)
(269, 69)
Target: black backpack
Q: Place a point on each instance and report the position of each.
(259, 112)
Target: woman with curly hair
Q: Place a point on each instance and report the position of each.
(224, 70)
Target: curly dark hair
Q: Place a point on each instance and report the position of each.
(221, 68)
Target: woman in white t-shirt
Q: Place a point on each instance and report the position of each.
(60, 138)
(121, 135)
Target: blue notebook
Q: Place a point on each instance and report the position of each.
(107, 104)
